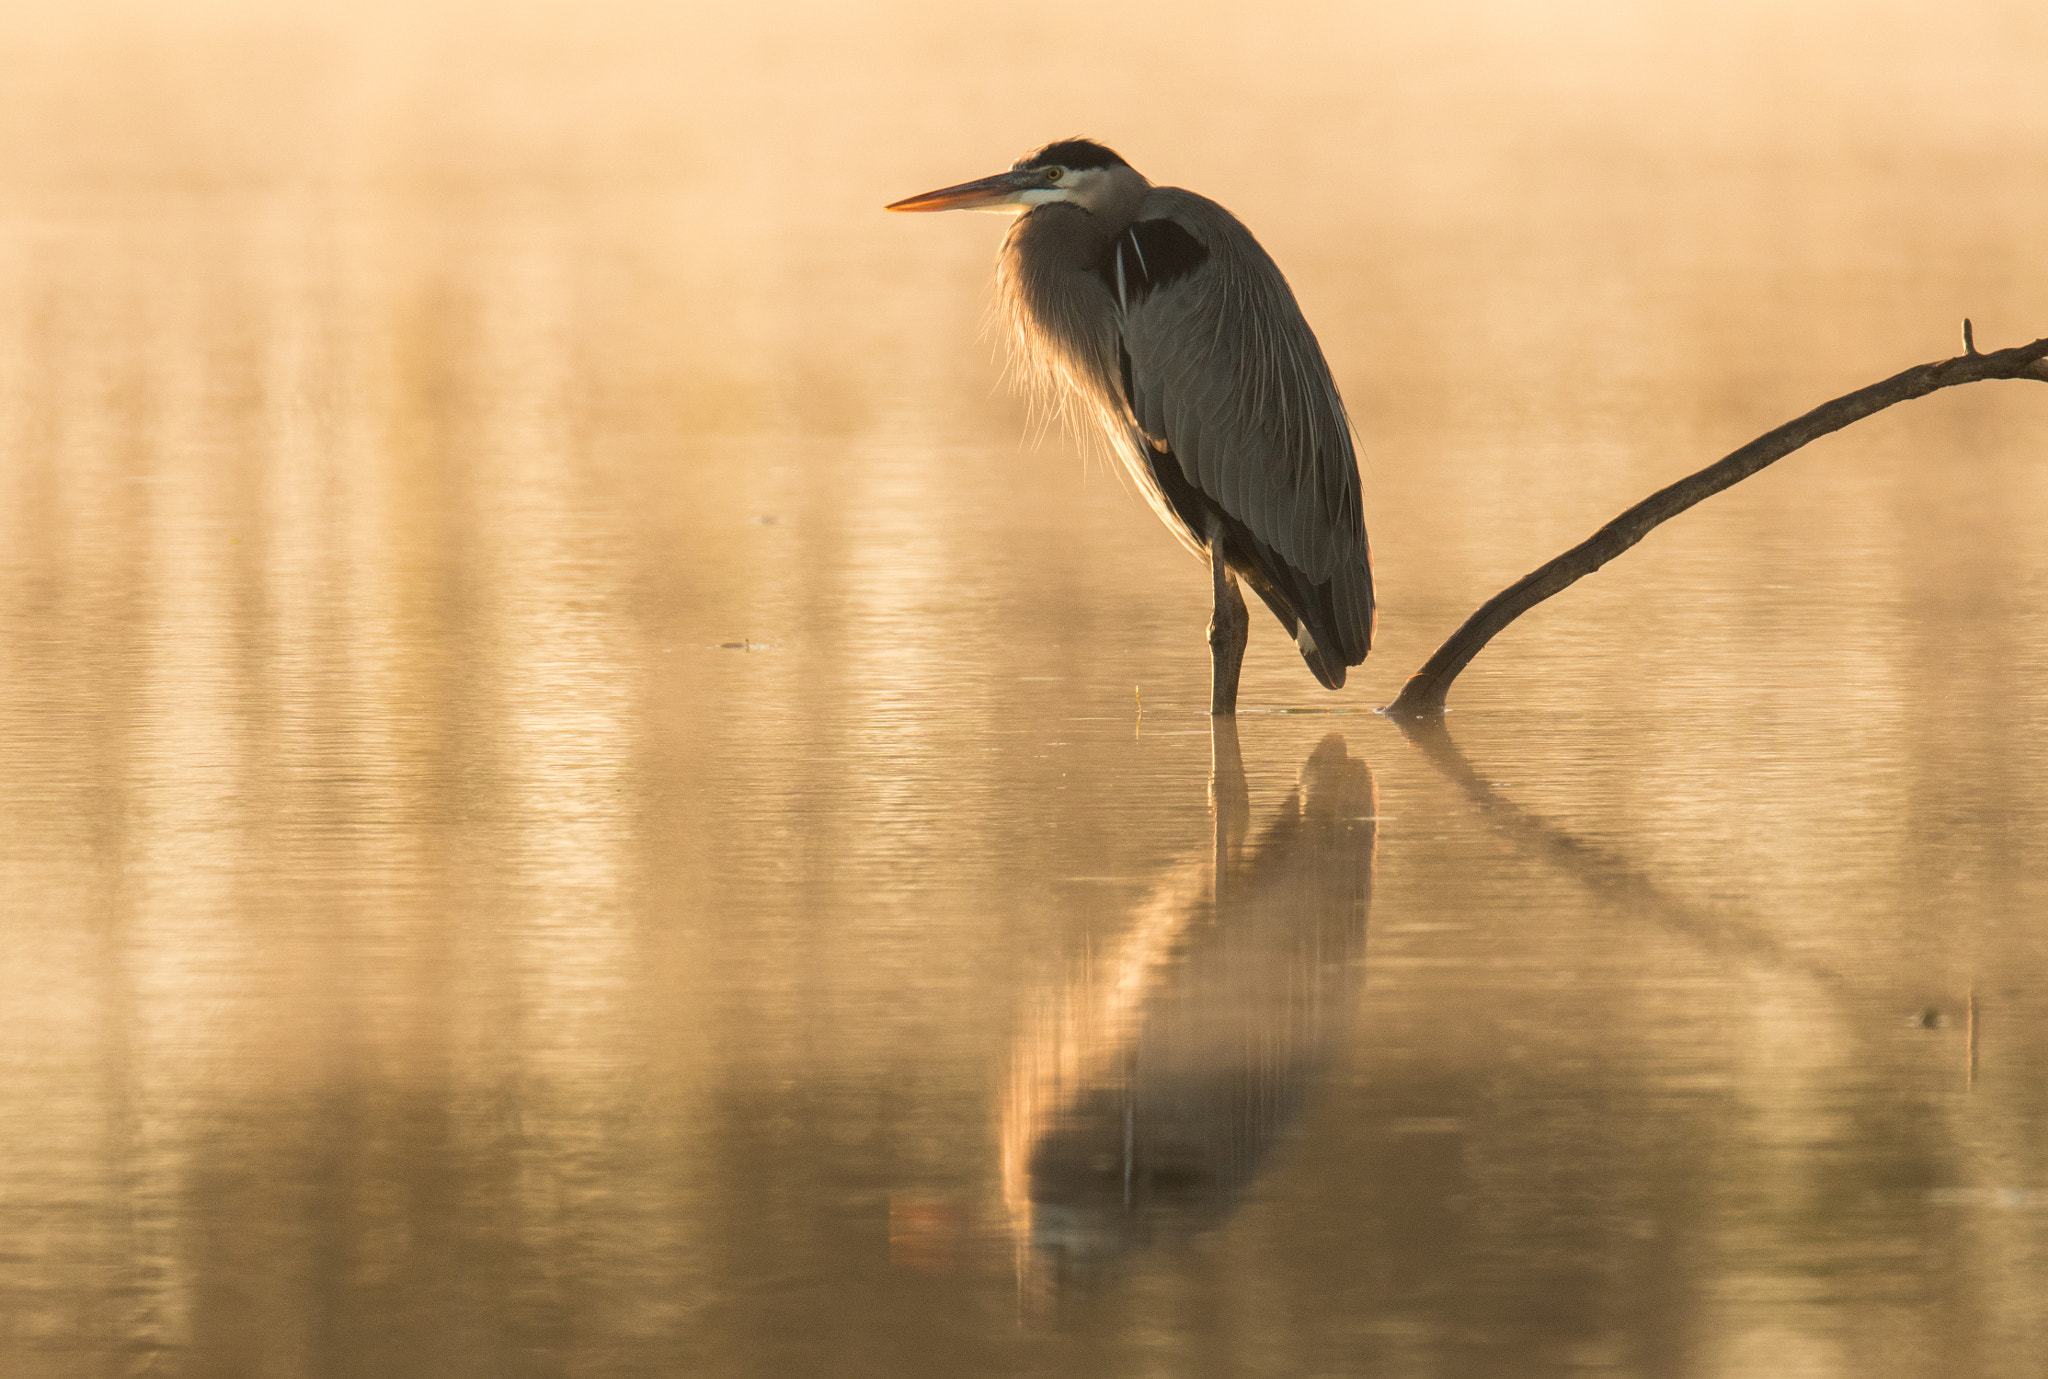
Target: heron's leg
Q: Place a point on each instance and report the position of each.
(1229, 797)
(1228, 629)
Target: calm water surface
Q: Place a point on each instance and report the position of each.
(587, 795)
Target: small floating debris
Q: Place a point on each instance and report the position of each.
(1930, 1018)
(743, 646)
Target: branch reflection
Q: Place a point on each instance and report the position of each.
(1604, 871)
(1147, 1091)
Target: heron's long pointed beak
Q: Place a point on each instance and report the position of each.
(968, 196)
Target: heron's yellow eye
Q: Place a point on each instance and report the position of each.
(1054, 174)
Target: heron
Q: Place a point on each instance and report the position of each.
(1151, 315)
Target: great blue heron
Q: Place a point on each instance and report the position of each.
(1155, 314)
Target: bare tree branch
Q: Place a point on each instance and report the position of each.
(1423, 696)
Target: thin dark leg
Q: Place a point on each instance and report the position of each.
(1229, 797)
(1228, 629)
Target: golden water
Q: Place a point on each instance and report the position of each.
(585, 795)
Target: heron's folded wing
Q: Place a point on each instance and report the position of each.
(1226, 373)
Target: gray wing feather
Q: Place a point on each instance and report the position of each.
(1226, 371)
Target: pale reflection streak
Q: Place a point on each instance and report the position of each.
(561, 707)
(193, 822)
(258, 733)
(1148, 1090)
(67, 406)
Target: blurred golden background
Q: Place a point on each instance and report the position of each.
(567, 737)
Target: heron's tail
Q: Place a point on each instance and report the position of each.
(1328, 669)
(1337, 625)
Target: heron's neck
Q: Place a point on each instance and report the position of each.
(1063, 233)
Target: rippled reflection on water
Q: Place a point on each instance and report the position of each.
(577, 800)
(1154, 1084)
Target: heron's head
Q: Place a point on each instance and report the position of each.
(1080, 171)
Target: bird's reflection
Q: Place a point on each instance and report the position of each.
(1150, 1088)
